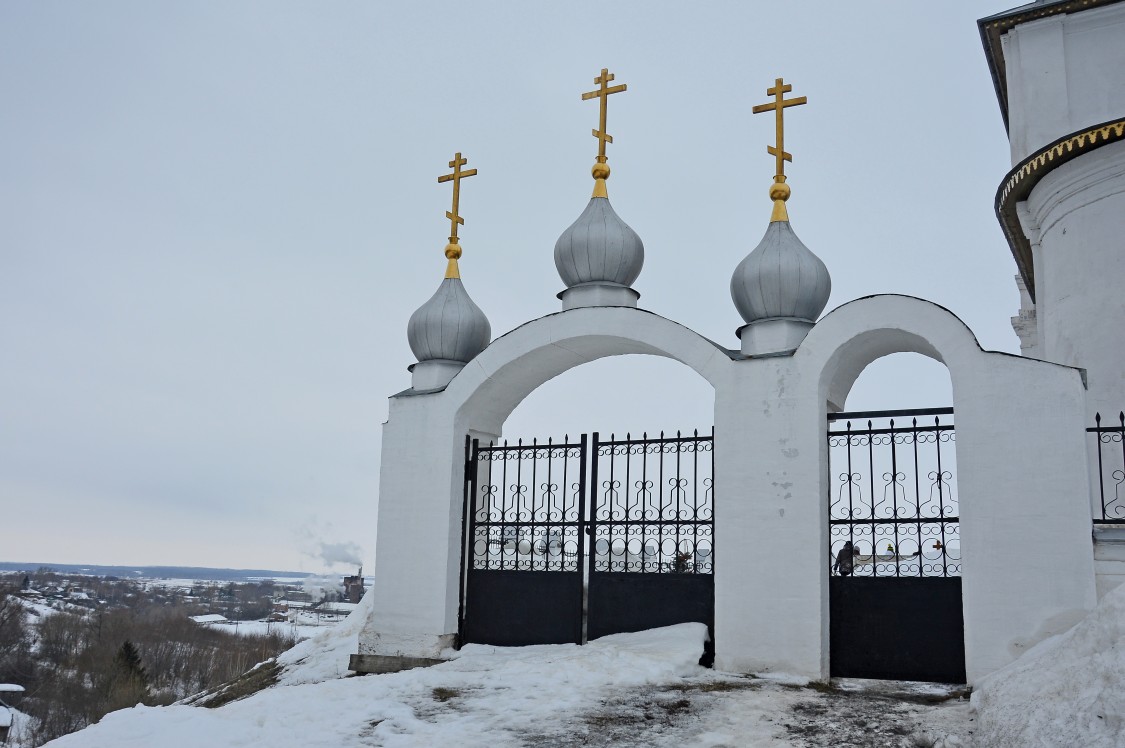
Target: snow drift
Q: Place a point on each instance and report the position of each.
(487, 696)
(1068, 690)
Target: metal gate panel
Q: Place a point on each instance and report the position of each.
(895, 593)
(909, 628)
(523, 543)
(651, 532)
(635, 601)
(515, 608)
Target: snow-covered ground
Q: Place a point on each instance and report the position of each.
(303, 629)
(1066, 691)
(37, 609)
(19, 728)
(644, 689)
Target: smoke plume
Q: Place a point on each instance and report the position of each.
(340, 553)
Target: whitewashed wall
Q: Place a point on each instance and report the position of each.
(1075, 217)
(1027, 555)
(1063, 73)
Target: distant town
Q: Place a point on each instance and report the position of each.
(77, 642)
(207, 596)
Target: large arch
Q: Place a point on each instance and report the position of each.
(479, 401)
(421, 497)
(490, 386)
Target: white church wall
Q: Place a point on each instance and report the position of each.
(1077, 212)
(1025, 523)
(1063, 74)
(417, 552)
(771, 531)
(1027, 556)
(1109, 558)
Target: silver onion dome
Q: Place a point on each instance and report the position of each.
(781, 278)
(599, 247)
(449, 326)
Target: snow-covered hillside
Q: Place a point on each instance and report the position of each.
(628, 689)
(642, 689)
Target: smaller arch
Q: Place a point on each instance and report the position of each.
(853, 335)
(901, 380)
(991, 392)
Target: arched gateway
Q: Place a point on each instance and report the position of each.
(619, 528)
(771, 559)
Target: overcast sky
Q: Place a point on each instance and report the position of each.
(216, 219)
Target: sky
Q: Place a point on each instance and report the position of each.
(216, 219)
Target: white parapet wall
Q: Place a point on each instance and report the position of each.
(1023, 480)
(1109, 557)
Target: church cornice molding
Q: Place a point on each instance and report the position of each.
(1023, 178)
(993, 28)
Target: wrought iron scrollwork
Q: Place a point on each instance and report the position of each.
(1111, 468)
(893, 510)
(653, 506)
(528, 506)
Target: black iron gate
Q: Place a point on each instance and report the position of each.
(652, 530)
(1110, 441)
(525, 507)
(895, 589)
(551, 557)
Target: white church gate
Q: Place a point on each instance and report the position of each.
(895, 602)
(565, 542)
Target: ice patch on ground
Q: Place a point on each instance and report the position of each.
(1068, 690)
(784, 679)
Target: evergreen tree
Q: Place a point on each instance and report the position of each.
(127, 683)
(127, 662)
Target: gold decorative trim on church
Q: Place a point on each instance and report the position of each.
(1021, 180)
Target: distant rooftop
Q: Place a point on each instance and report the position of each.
(209, 618)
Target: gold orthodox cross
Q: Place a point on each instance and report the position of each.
(778, 105)
(603, 92)
(456, 176)
(779, 191)
(453, 249)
